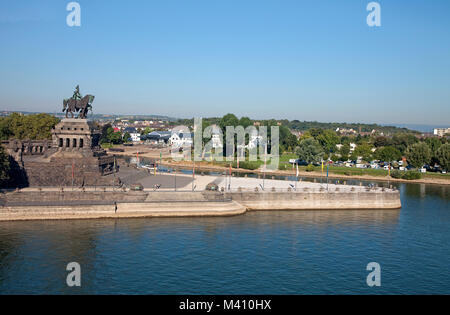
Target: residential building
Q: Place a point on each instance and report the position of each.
(441, 132)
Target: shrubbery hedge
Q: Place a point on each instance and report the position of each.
(310, 168)
(248, 165)
(406, 175)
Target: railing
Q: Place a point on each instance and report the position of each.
(343, 189)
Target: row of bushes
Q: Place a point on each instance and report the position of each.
(406, 175)
(248, 165)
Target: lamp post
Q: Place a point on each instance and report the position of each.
(193, 176)
(229, 181)
(265, 163)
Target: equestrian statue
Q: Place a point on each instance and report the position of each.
(78, 104)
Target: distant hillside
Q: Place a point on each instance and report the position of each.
(305, 125)
(96, 116)
(293, 124)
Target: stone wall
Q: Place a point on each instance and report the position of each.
(251, 200)
(73, 157)
(86, 172)
(69, 196)
(317, 200)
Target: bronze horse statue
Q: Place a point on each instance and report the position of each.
(74, 106)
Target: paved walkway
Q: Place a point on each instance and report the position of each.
(184, 182)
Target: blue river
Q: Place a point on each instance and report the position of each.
(271, 252)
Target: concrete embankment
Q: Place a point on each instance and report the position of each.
(34, 205)
(123, 210)
(89, 205)
(317, 200)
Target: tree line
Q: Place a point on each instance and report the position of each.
(22, 127)
(316, 145)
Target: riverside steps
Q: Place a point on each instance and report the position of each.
(54, 203)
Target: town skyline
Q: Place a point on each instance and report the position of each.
(264, 59)
(427, 128)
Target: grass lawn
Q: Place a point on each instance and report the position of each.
(337, 170)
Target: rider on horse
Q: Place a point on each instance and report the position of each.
(78, 103)
(76, 94)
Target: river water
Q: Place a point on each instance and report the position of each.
(274, 252)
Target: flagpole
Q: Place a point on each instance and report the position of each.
(265, 163)
(327, 175)
(72, 173)
(160, 157)
(321, 177)
(193, 176)
(229, 182)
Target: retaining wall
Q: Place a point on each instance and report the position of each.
(76, 204)
(317, 200)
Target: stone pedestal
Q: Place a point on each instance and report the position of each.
(73, 157)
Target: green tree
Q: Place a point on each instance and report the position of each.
(443, 156)
(364, 151)
(315, 132)
(228, 120)
(288, 141)
(147, 130)
(381, 141)
(418, 154)
(310, 151)
(5, 131)
(344, 151)
(126, 136)
(245, 122)
(434, 144)
(328, 139)
(388, 154)
(33, 127)
(4, 166)
(402, 140)
(114, 137)
(104, 136)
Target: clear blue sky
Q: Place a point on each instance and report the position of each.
(306, 60)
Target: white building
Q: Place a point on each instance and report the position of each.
(352, 147)
(216, 137)
(181, 139)
(216, 141)
(254, 140)
(440, 132)
(135, 136)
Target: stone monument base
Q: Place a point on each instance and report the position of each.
(74, 157)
